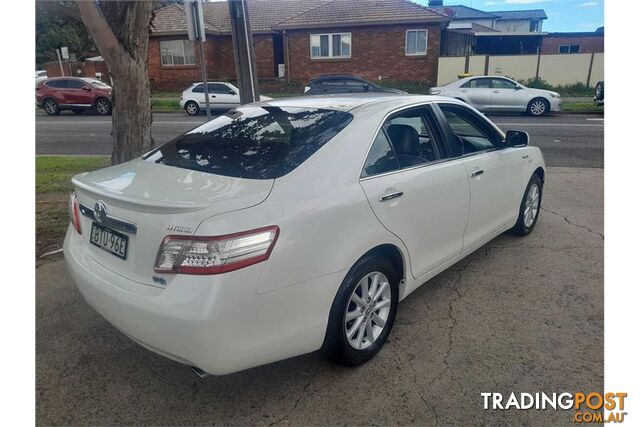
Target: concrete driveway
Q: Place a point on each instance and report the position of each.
(520, 314)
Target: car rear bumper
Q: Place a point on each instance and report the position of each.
(218, 323)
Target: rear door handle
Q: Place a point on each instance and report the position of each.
(476, 173)
(390, 196)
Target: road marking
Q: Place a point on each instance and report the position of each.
(108, 123)
(597, 120)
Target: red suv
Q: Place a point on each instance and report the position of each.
(73, 93)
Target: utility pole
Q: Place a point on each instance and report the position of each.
(196, 31)
(243, 51)
(60, 62)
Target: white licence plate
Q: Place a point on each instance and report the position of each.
(109, 240)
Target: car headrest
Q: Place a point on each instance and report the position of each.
(404, 138)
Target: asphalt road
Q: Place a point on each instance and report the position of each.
(573, 140)
(518, 315)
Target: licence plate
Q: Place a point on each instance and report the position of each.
(108, 240)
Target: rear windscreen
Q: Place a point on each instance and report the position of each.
(253, 142)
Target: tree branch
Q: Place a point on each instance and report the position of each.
(57, 8)
(102, 34)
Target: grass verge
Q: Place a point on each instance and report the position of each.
(53, 185)
(582, 107)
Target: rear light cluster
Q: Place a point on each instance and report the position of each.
(74, 212)
(215, 254)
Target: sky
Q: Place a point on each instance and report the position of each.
(563, 15)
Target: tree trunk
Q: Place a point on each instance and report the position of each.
(120, 30)
(132, 118)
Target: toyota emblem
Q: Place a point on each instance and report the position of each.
(100, 211)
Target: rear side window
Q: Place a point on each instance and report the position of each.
(381, 158)
(478, 84)
(58, 84)
(253, 142)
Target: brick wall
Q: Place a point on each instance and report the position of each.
(587, 44)
(78, 69)
(220, 62)
(376, 52)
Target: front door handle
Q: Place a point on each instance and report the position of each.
(211, 96)
(390, 196)
(476, 173)
(496, 91)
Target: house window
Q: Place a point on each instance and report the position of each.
(416, 42)
(333, 45)
(569, 48)
(177, 52)
(533, 26)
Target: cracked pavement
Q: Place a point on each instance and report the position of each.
(519, 314)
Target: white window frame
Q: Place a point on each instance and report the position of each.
(330, 36)
(426, 41)
(184, 54)
(568, 46)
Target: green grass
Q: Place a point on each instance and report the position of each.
(165, 105)
(581, 107)
(53, 173)
(53, 185)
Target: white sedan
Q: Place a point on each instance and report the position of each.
(285, 227)
(222, 96)
(500, 94)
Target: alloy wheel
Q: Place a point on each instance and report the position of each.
(531, 205)
(102, 106)
(50, 107)
(368, 310)
(192, 108)
(538, 108)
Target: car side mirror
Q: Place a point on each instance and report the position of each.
(366, 88)
(516, 138)
(519, 88)
(87, 88)
(232, 92)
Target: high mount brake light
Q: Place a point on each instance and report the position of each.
(74, 212)
(215, 254)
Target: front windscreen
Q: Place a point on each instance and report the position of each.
(256, 142)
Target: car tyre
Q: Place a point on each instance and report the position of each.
(51, 107)
(192, 108)
(538, 107)
(359, 326)
(103, 106)
(600, 91)
(529, 207)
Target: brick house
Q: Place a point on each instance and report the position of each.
(374, 39)
(582, 42)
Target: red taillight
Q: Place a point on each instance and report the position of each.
(215, 254)
(74, 212)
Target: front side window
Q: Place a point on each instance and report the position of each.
(177, 52)
(57, 84)
(253, 142)
(569, 48)
(502, 84)
(416, 42)
(333, 45)
(469, 129)
(76, 84)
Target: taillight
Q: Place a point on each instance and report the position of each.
(215, 254)
(74, 212)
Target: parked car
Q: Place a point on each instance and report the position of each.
(77, 94)
(500, 94)
(598, 99)
(338, 83)
(288, 226)
(41, 73)
(222, 96)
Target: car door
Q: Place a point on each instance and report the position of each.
(414, 193)
(494, 170)
(507, 96)
(197, 94)
(222, 96)
(477, 92)
(79, 93)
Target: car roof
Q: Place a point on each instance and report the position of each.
(337, 77)
(349, 102)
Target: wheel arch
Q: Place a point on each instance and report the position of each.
(95, 101)
(394, 254)
(540, 172)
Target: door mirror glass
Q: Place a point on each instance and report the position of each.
(516, 138)
(87, 88)
(232, 92)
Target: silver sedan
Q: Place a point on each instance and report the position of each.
(497, 93)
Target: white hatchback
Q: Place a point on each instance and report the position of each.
(222, 96)
(285, 227)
